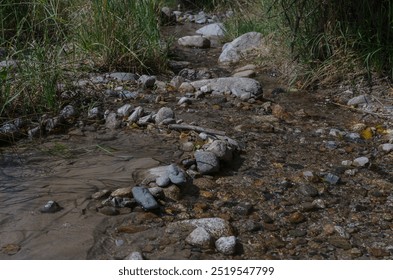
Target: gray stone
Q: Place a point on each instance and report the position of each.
(8, 64)
(163, 114)
(332, 179)
(195, 41)
(8, 131)
(200, 18)
(216, 227)
(232, 51)
(387, 147)
(360, 162)
(177, 81)
(308, 190)
(126, 94)
(213, 29)
(95, 113)
(68, 112)
(245, 74)
(143, 197)
(188, 146)
(163, 181)
(33, 133)
(111, 121)
(134, 256)
(50, 207)
(147, 81)
(123, 76)
(207, 162)
(143, 121)
(235, 85)
(157, 192)
(221, 150)
(226, 245)
(359, 100)
(138, 112)
(125, 110)
(176, 175)
(184, 100)
(336, 133)
(199, 237)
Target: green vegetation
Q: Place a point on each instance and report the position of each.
(52, 40)
(334, 36)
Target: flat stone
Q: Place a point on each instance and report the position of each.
(122, 192)
(213, 29)
(216, 227)
(194, 42)
(226, 245)
(237, 86)
(207, 162)
(143, 197)
(359, 100)
(245, 74)
(340, 242)
(123, 76)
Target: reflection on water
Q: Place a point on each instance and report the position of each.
(68, 171)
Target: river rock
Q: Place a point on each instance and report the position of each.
(231, 52)
(213, 29)
(163, 114)
(359, 100)
(332, 179)
(144, 121)
(122, 192)
(216, 227)
(186, 87)
(8, 64)
(360, 162)
(194, 42)
(172, 192)
(244, 88)
(147, 81)
(95, 113)
(221, 150)
(123, 76)
(199, 237)
(176, 175)
(163, 181)
(176, 81)
(68, 112)
(111, 121)
(387, 147)
(143, 197)
(125, 110)
(50, 207)
(226, 245)
(134, 256)
(8, 131)
(207, 162)
(138, 113)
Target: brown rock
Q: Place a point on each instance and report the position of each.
(122, 192)
(378, 252)
(340, 243)
(296, 218)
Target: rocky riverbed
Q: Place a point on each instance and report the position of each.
(214, 161)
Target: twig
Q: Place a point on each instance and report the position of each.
(196, 128)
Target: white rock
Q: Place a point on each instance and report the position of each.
(136, 115)
(134, 256)
(226, 245)
(216, 227)
(360, 162)
(359, 100)
(125, 110)
(214, 29)
(200, 237)
(232, 51)
(221, 150)
(387, 147)
(163, 114)
(194, 41)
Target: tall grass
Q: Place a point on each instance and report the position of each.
(320, 32)
(123, 34)
(49, 38)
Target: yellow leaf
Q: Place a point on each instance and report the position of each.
(381, 129)
(367, 133)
